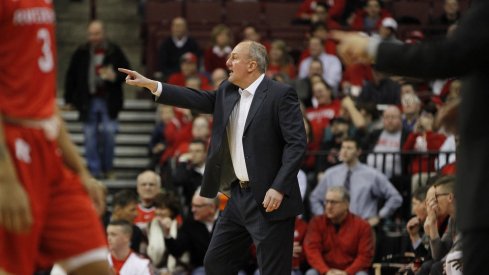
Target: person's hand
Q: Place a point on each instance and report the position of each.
(412, 227)
(373, 221)
(158, 148)
(95, 191)
(430, 224)
(165, 224)
(347, 103)
(447, 116)
(272, 200)
(15, 210)
(107, 73)
(352, 47)
(296, 250)
(134, 78)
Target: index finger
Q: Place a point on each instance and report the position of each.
(126, 71)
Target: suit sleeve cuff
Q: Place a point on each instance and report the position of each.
(159, 90)
(373, 46)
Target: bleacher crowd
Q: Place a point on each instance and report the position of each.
(377, 180)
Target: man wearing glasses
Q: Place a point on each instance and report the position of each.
(440, 200)
(195, 234)
(338, 242)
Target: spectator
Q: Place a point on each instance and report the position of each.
(121, 258)
(166, 206)
(441, 201)
(388, 30)
(251, 33)
(148, 186)
(189, 173)
(216, 56)
(367, 186)
(338, 242)
(334, 135)
(195, 234)
(386, 144)
(280, 60)
(423, 140)
(217, 77)
(334, 9)
(124, 207)
(331, 64)
(381, 90)
(354, 77)
(370, 17)
(201, 130)
(303, 85)
(173, 47)
(411, 106)
(188, 68)
(419, 242)
(326, 108)
(321, 15)
(320, 30)
(95, 89)
(450, 15)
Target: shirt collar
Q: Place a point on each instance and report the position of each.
(252, 88)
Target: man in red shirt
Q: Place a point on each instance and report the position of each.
(45, 213)
(338, 242)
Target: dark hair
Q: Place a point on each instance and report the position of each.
(126, 226)
(199, 141)
(446, 182)
(124, 197)
(354, 140)
(168, 200)
(420, 193)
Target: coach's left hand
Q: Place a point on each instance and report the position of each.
(273, 199)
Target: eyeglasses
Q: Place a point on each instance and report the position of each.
(333, 202)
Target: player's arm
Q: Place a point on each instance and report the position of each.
(74, 161)
(15, 212)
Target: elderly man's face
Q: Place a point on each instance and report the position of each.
(238, 64)
(335, 206)
(147, 186)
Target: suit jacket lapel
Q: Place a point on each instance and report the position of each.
(231, 97)
(258, 98)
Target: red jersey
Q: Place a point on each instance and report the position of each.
(27, 59)
(145, 215)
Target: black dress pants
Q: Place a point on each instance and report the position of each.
(242, 223)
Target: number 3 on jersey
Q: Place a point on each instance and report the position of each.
(45, 62)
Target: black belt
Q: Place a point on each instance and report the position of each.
(244, 184)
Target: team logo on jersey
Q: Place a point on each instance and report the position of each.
(22, 150)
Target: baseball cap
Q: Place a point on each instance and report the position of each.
(188, 57)
(389, 22)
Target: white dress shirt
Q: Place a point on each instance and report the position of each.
(236, 126)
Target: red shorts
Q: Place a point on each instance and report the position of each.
(65, 221)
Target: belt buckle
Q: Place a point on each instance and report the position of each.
(244, 184)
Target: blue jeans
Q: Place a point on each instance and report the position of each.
(99, 143)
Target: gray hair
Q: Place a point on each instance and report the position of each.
(215, 201)
(345, 195)
(258, 53)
